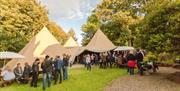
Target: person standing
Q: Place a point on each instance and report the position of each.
(18, 73)
(35, 72)
(139, 58)
(84, 60)
(92, 59)
(58, 64)
(47, 71)
(131, 63)
(119, 60)
(131, 66)
(65, 66)
(104, 59)
(88, 61)
(101, 60)
(96, 58)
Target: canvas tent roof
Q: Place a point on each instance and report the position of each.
(42, 44)
(73, 52)
(10, 55)
(124, 48)
(71, 43)
(100, 43)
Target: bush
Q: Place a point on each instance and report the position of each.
(163, 58)
(166, 58)
(150, 57)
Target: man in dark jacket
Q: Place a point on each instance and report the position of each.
(47, 71)
(26, 72)
(35, 71)
(18, 73)
(139, 58)
(58, 63)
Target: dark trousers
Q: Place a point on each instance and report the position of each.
(104, 64)
(110, 64)
(101, 64)
(34, 79)
(58, 75)
(140, 68)
(131, 70)
(89, 66)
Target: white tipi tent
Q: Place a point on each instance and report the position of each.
(44, 43)
(100, 43)
(71, 43)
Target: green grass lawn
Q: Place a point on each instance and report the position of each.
(79, 80)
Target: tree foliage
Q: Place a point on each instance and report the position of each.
(71, 33)
(58, 32)
(19, 21)
(161, 27)
(153, 25)
(116, 18)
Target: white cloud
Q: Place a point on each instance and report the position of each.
(69, 9)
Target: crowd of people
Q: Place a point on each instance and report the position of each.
(51, 68)
(121, 59)
(57, 68)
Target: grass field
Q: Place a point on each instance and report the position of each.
(79, 80)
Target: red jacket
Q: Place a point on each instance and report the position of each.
(132, 63)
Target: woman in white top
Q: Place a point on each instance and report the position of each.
(7, 74)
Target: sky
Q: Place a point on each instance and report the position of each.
(70, 13)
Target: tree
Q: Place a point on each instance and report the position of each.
(159, 31)
(71, 33)
(117, 19)
(58, 32)
(19, 21)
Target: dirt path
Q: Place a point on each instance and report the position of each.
(154, 82)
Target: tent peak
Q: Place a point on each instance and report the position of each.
(71, 43)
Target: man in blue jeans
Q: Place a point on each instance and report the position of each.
(58, 63)
(47, 71)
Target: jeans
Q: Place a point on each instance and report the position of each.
(89, 66)
(65, 72)
(58, 75)
(140, 69)
(48, 77)
(131, 70)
